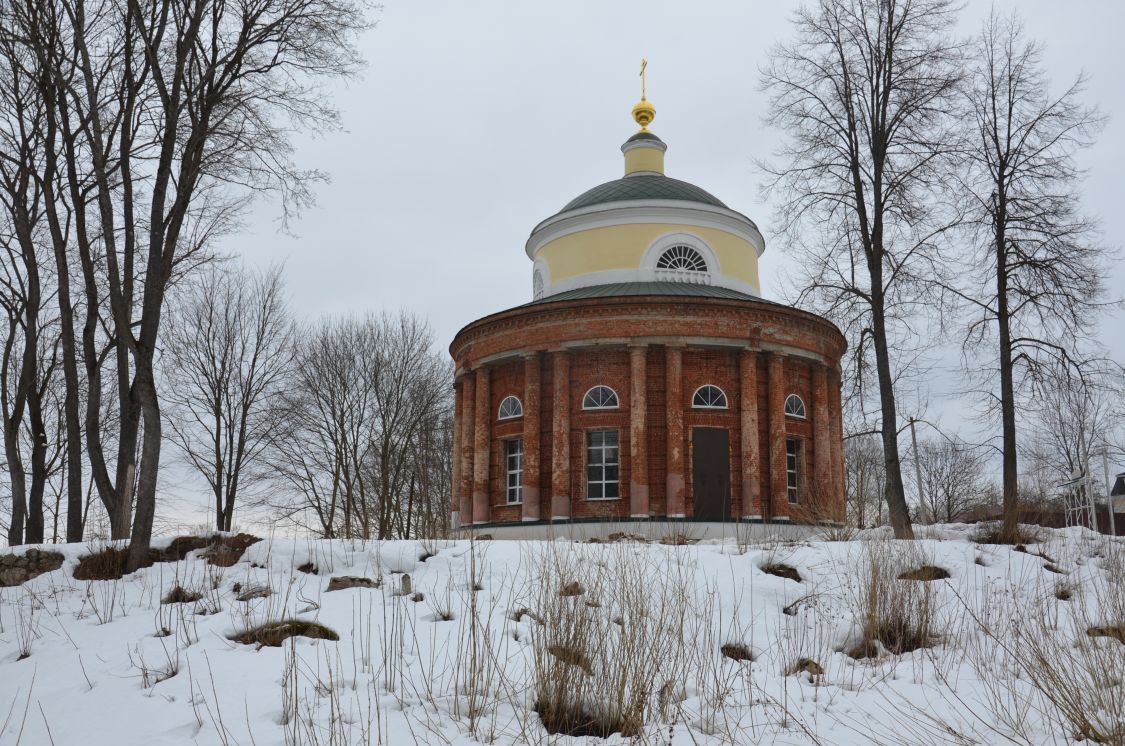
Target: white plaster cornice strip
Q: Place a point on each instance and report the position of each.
(632, 212)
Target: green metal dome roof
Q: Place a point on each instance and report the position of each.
(642, 187)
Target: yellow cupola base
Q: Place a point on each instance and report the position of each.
(644, 151)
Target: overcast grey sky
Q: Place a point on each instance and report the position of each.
(474, 121)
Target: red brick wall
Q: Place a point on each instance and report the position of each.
(809, 342)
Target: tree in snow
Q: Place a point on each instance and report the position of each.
(863, 97)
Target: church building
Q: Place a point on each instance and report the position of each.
(647, 379)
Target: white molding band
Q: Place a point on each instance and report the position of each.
(640, 274)
(631, 212)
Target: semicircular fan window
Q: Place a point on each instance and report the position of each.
(683, 259)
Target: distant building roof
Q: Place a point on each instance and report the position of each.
(1118, 486)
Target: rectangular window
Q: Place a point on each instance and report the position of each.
(513, 453)
(792, 467)
(602, 477)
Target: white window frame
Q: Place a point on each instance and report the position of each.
(799, 412)
(722, 394)
(603, 464)
(793, 470)
(513, 470)
(586, 398)
(519, 409)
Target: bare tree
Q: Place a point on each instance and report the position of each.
(862, 96)
(952, 479)
(368, 400)
(166, 116)
(864, 478)
(1074, 417)
(226, 357)
(1037, 255)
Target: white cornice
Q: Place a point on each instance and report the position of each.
(632, 212)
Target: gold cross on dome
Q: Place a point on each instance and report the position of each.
(644, 64)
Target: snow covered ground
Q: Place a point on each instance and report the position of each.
(681, 645)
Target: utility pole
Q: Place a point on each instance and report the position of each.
(917, 462)
(1108, 490)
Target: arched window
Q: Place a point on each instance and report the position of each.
(537, 285)
(510, 408)
(709, 397)
(600, 397)
(682, 258)
(794, 407)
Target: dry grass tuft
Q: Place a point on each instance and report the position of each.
(274, 633)
(993, 533)
(309, 569)
(180, 595)
(572, 656)
(736, 651)
(895, 615)
(573, 588)
(107, 564)
(343, 582)
(806, 665)
(1114, 633)
(599, 668)
(781, 570)
(925, 572)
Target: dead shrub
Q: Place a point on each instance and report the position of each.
(895, 615)
(274, 633)
(842, 532)
(599, 669)
(180, 595)
(309, 569)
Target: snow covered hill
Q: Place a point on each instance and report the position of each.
(458, 642)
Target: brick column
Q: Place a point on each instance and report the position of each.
(560, 437)
(468, 439)
(531, 437)
(674, 408)
(638, 434)
(455, 482)
(821, 492)
(751, 459)
(482, 440)
(779, 497)
(836, 421)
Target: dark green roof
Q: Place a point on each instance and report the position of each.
(647, 288)
(642, 187)
(644, 136)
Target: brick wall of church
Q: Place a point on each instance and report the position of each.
(710, 355)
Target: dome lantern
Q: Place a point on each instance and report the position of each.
(644, 151)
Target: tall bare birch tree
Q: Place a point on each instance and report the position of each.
(862, 96)
(1038, 256)
(165, 117)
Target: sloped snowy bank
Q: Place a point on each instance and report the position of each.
(458, 642)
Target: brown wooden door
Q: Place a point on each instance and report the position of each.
(710, 459)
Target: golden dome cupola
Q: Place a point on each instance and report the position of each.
(645, 233)
(644, 151)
